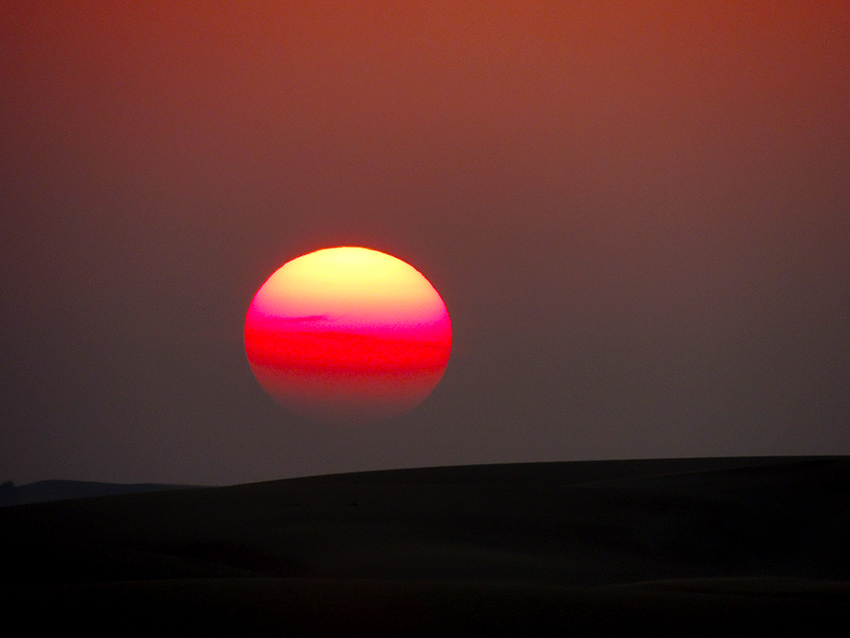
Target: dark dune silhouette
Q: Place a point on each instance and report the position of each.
(45, 491)
(678, 544)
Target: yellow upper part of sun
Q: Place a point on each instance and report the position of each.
(350, 285)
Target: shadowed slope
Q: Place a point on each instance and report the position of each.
(566, 531)
(46, 491)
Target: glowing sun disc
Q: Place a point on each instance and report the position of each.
(348, 334)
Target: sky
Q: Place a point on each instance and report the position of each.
(637, 213)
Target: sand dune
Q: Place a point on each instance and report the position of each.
(680, 543)
(46, 491)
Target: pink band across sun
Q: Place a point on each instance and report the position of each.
(349, 335)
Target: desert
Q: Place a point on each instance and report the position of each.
(695, 545)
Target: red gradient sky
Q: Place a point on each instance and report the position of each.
(637, 212)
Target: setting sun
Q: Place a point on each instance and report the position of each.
(348, 335)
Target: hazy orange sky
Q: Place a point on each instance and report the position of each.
(637, 213)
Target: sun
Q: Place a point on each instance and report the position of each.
(348, 335)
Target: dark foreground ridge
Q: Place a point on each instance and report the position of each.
(694, 545)
(46, 491)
